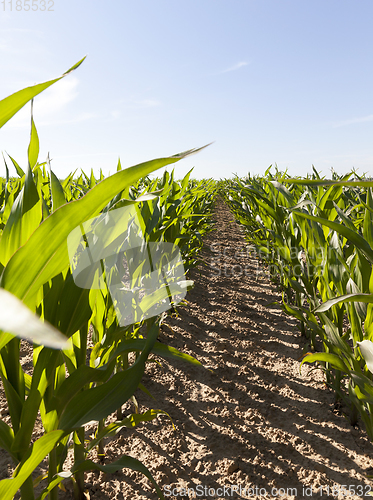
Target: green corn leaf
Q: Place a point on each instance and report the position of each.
(33, 149)
(26, 212)
(269, 210)
(57, 192)
(24, 218)
(353, 236)
(297, 286)
(315, 172)
(42, 375)
(61, 476)
(45, 253)
(363, 389)
(12, 104)
(37, 452)
(73, 308)
(92, 180)
(327, 182)
(365, 386)
(293, 311)
(15, 403)
(82, 376)
(284, 191)
(6, 437)
(6, 190)
(145, 197)
(18, 320)
(331, 194)
(333, 359)
(353, 391)
(124, 462)
(368, 219)
(347, 222)
(52, 292)
(351, 297)
(97, 403)
(146, 391)
(185, 181)
(358, 311)
(65, 184)
(336, 340)
(366, 349)
(19, 170)
(160, 294)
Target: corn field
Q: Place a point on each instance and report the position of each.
(90, 267)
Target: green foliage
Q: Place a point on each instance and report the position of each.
(40, 301)
(315, 236)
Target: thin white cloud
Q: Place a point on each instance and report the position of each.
(22, 30)
(81, 155)
(5, 17)
(344, 123)
(140, 103)
(81, 117)
(237, 66)
(25, 123)
(148, 103)
(57, 96)
(49, 105)
(11, 41)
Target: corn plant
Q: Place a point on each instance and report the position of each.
(38, 213)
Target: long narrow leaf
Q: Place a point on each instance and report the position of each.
(351, 297)
(12, 104)
(124, 462)
(17, 319)
(353, 236)
(38, 451)
(333, 359)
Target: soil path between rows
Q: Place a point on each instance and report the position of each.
(249, 418)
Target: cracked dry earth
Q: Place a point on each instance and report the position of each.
(248, 418)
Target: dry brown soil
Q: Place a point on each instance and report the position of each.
(249, 418)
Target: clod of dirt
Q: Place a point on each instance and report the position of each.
(233, 467)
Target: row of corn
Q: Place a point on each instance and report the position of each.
(316, 237)
(100, 262)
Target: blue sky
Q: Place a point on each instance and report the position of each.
(270, 81)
